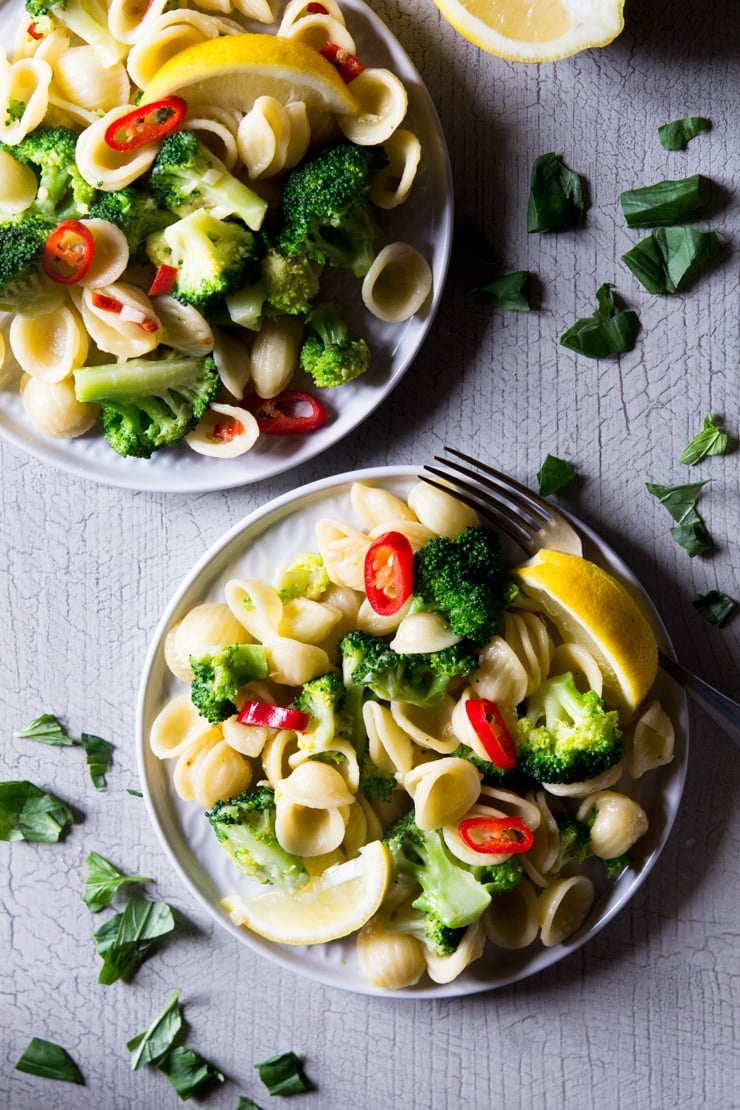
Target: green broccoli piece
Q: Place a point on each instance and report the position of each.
(404, 919)
(306, 577)
(500, 878)
(209, 254)
(374, 782)
(450, 892)
(218, 672)
(245, 827)
(421, 679)
(328, 354)
(493, 775)
(134, 212)
(63, 192)
(325, 211)
(81, 19)
(461, 579)
(24, 287)
(323, 698)
(148, 404)
(290, 283)
(575, 842)
(615, 867)
(186, 177)
(566, 736)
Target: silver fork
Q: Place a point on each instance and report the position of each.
(533, 523)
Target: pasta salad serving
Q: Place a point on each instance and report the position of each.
(195, 220)
(399, 745)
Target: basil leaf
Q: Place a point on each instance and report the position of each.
(556, 199)
(188, 1072)
(554, 474)
(610, 331)
(153, 1044)
(678, 134)
(680, 501)
(124, 939)
(102, 882)
(246, 1103)
(283, 1074)
(134, 793)
(666, 203)
(670, 257)
(46, 729)
(508, 291)
(716, 607)
(711, 440)
(49, 1061)
(29, 813)
(99, 753)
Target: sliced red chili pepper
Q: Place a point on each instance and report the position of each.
(163, 280)
(228, 430)
(389, 573)
(496, 836)
(146, 124)
(316, 9)
(347, 65)
(273, 716)
(106, 303)
(68, 253)
(33, 33)
(290, 413)
(491, 729)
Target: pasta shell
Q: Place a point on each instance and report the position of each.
(397, 284)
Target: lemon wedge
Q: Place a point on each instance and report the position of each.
(231, 72)
(535, 30)
(591, 608)
(328, 907)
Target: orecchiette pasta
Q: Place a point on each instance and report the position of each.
(24, 97)
(383, 104)
(397, 284)
(18, 184)
(392, 185)
(104, 167)
(562, 907)
(224, 432)
(49, 346)
(53, 408)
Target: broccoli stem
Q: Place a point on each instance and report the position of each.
(131, 380)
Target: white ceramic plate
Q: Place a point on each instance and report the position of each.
(272, 536)
(425, 221)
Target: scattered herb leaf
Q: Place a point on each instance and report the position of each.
(99, 754)
(150, 1046)
(678, 134)
(508, 291)
(283, 1074)
(246, 1103)
(670, 257)
(666, 203)
(134, 793)
(556, 199)
(554, 474)
(29, 813)
(102, 882)
(47, 729)
(124, 939)
(611, 330)
(188, 1072)
(716, 607)
(680, 501)
(711, 440)
(49, 1061)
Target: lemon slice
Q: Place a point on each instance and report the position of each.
(590, 607)
(328, 907)
(535, 30)
(232, 71)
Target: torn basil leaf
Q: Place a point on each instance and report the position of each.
(666, 203)
(670, 257)
(29, 813)
(150, 1046)
(187, 1071)
(246, 1103)
(556, 197)
(680, 501)
(711, 440)
(678, 134)
(49, 1061)
(283, 1074)
(554, 474)
(509, 291)
(611, 330)
(47, 729)
(99, 754)
(124, 939)
(716, 607)
(134, 793)
(103, 881)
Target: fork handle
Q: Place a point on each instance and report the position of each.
(719, 707)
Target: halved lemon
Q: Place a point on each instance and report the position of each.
(535, 30)
(328, 907)
(232, 71)
(590, 607)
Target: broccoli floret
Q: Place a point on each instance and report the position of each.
(374, 782)
(575, 841)
(209, 254)
(290, 283)
(218, 673)
(421, 679)
(450, 892)
(493, 775)
(63, 192)
(323, 698)
(566, 736)
(461, 579)
(134, 212)
(438, 938)
(615, 867)
(24, 288)
(325, 211)
(306, 577)
(328, 354)
(148, 404)
(186, 177)
(80, 18)
(245, 827)
(500, 878)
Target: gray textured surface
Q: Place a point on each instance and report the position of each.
(645, 1016)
